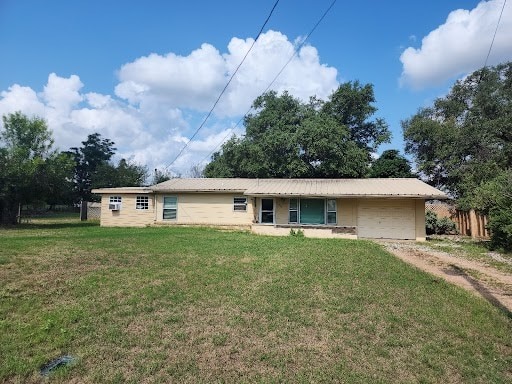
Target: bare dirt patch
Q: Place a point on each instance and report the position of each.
(481, 279)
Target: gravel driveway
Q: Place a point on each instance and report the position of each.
(477, 277)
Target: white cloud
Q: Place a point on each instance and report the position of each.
(62, 93)
(160, 100)
(195, 81)
(459, 46)
(184, 82)
(18, 98)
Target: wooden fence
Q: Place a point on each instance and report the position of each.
(469, 223)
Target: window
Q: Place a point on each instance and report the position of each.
(293, 215)
(170, 208)
(331, 211)
(240, 204)
(267, 211)
(142, 202)
(312, 211)
(115, 199)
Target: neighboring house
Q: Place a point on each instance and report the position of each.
(350, 208)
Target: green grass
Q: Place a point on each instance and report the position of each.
(201, 305)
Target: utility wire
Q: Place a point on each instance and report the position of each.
(495, 31)
(295, 52)
(225, 87)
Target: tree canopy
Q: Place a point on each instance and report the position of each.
(93, 168)
(463, 143)
(287, 138)
(391, 164)
(465, 137)
(30, 171)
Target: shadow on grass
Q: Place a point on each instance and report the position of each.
(52, 225)
(483, 291)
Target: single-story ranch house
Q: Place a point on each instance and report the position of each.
(351, 208)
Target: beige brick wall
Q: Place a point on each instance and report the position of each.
(128, 215)
(347, 212)
(206, 209)
(421, 234)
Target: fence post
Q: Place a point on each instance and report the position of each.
(83, 211)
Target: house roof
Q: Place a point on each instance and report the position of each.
(392, 187)
(139, 190)
(389, 187)
(205, 185)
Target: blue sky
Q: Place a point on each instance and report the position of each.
(144, 74)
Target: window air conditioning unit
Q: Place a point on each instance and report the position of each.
(114, 206)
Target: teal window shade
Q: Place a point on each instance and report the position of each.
(312, 211)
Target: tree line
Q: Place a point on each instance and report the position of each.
(32, 172)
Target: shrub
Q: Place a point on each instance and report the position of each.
(500, 225)
(435, 225)
(494, 198)
(296, 233)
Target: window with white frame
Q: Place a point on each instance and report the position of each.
(312, 211)
(240, 203)
(115, 199)
(267, 211)
(293, 214)
(142, 202)
(331, 211)
(170, 209)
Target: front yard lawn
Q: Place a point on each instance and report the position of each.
(202, 305)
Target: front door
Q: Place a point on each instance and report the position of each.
(267, 211)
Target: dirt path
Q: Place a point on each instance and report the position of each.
(481, 279)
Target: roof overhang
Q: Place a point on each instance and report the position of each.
(319, 188)
(121, 190)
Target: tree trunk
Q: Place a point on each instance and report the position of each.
(83, 210)
(9, 213)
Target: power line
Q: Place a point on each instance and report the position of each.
(225, 87)
(295, 52)
(495, 32)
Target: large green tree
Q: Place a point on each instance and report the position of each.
(391, 164)
(94, 168)
(464, 141)
(94, 153)
(465, 138)
(124, 174)
(286, 138)
(30, 171)
(352, 105)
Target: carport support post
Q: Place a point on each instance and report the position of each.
(83, 210)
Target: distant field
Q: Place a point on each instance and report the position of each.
(201, 305)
